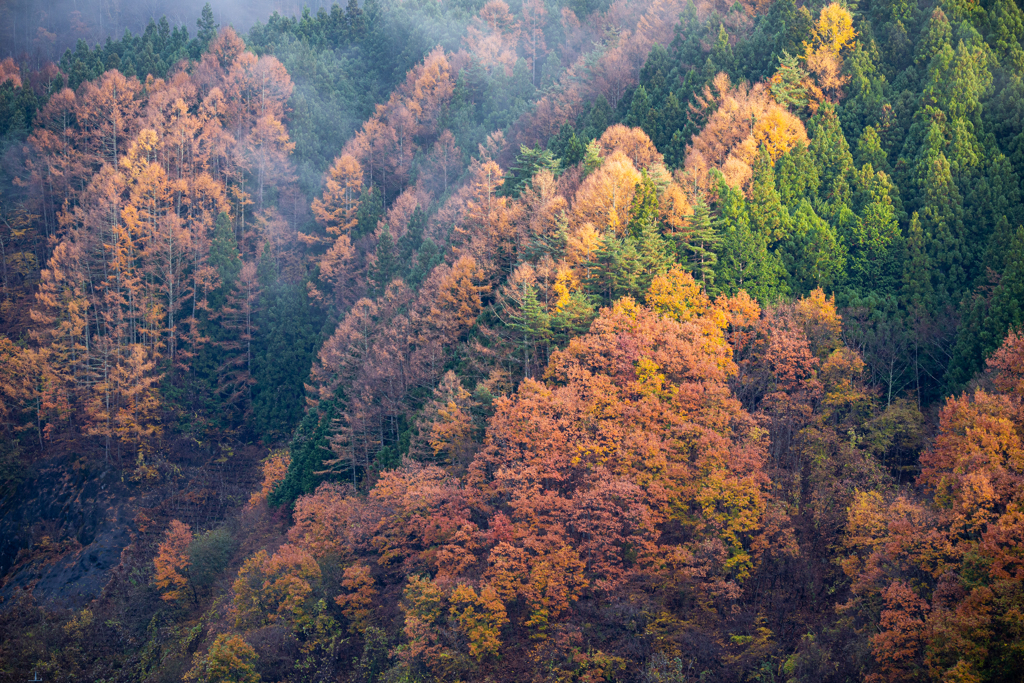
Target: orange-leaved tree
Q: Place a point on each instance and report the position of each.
(948, 571)
(172, 562)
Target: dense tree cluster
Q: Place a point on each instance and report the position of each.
(622, 341)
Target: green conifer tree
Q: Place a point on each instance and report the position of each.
(744, 261)
(788, 90)
(942, 219)
(767, 215)
(224, 257)
(386, 266)
(643, 210)
(528, 163)
(797, 176)
(534, 324)
(698, 248)
(917, 291)
(813, 255)
(639, 110)
(207, 30)
(992, 312)
(614, 270)
(591, 158)
(869, 151)
(370, 211)
(832, 156)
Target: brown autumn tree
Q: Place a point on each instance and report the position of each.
(492, 37)
(343, 185)
(276, 588)
(605, 197)
(487, 226)
(357, 600)
(10, 73)
(633, 142)
(580, 486)
(129, 181)
(532, 36)
(446, 432)
(385, 145)
(445, 162)
(106, 113)
(947, 570)
(738, 121)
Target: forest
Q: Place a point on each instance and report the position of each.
(640, 341)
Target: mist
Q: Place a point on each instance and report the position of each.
(37, 31)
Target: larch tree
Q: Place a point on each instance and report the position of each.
(172, 562)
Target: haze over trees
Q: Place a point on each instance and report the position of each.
(644, 341)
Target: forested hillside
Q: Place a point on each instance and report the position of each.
(647, 341)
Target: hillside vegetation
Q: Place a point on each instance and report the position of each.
(647, 341)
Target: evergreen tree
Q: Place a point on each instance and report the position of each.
(575, 151)
(614, 270)
(873, 239)
(528, 163)
(1008, 299)
(412, 240)
(309, 448)
(767, 215)
(702, 240)
(992, 313)
(652, 251)
(370, 211)
(935, 36)
(427, 258)
(813, 255)
(207, 31)
(797, 176)
(644, 209)
(283, 353)
(559, 144)
(671, 117)
(591, 157)
(782, 31)
(601, 116)
(744, 261)
(533, 322)
(224, 257)
(721, 57)
(572, 319)
(552, 244)
(266, 270)
(356, 21)
(991, 208)
(639, 111)
(654, 255)
(654, 75)
(869, 151)
(942, 219)
(1006, 33)
(385, 269)
(832, 156)
(787, 85)
(917, 290)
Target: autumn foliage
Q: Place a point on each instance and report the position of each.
(610, 357)
(740, 119)
(630, 464)
(132, 177)
(948, 569)
(172, 562)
